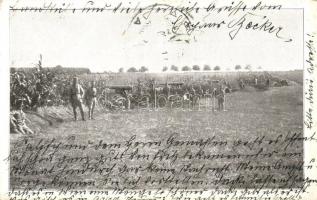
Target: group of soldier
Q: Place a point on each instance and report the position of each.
(79, 96)
(77, 93)
(193, 96)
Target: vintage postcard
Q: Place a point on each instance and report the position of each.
(184, 100)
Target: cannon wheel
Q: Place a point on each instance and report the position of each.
(144, 101)
(161, 101)
(119, 102)
(176, 101)
(104, 103)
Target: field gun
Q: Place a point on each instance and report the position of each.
(115, 97)
(175, 84)
(120, 87)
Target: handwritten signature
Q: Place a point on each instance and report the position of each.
(248, 21)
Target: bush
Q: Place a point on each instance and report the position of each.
(143, 69)
(185, 68)
(217, 68)
(237, 67)
(132, 69)
(207, 68)
(174, 68)
(196, 68)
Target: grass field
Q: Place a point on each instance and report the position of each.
(250, 114)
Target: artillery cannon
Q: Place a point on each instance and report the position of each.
(169, 94)
(115, 97)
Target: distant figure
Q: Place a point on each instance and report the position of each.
(214, 95)
(200, 90)
(167, 90)
(241, 84)
(128, 97)
(17, 121)
(221, 99)
(91, 99)
(192, 90)
(268, 82)
(186, 98)
(76, 98)
(194, 97)
(256, 81)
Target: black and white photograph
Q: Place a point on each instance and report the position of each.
(158, 95)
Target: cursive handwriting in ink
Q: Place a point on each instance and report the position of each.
(245, 22)
(311, 53)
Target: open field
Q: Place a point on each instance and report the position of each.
(250, 114)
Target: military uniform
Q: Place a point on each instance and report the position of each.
(221, 99)
(91, 100)
(17, 121)
(76, 98)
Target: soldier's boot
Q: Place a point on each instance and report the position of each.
(92, 114)
(220, 107)
(89, 114)
(82, 113)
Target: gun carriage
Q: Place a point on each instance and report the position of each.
(169, 94)
(115, 97)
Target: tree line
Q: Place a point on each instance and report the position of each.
(187, 68)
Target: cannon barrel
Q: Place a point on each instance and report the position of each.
(171, 83)
(122, 87)
(176, 83)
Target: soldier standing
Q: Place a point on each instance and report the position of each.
(167, 90)
(127, 95)
(76, 98)
(214, 94)
(268, 82)
(91, 99)
(221, 99)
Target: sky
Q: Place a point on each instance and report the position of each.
(106, 42)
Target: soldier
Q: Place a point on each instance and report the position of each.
(267, 82)
(192, 90)
(127, 95)
(76, 98)
(193, 96)
(17, 121)
(91, 99)
(214, 95)
(166, 90)
(221, 98)
(241, 83)
(200, 90)
(186, 98)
